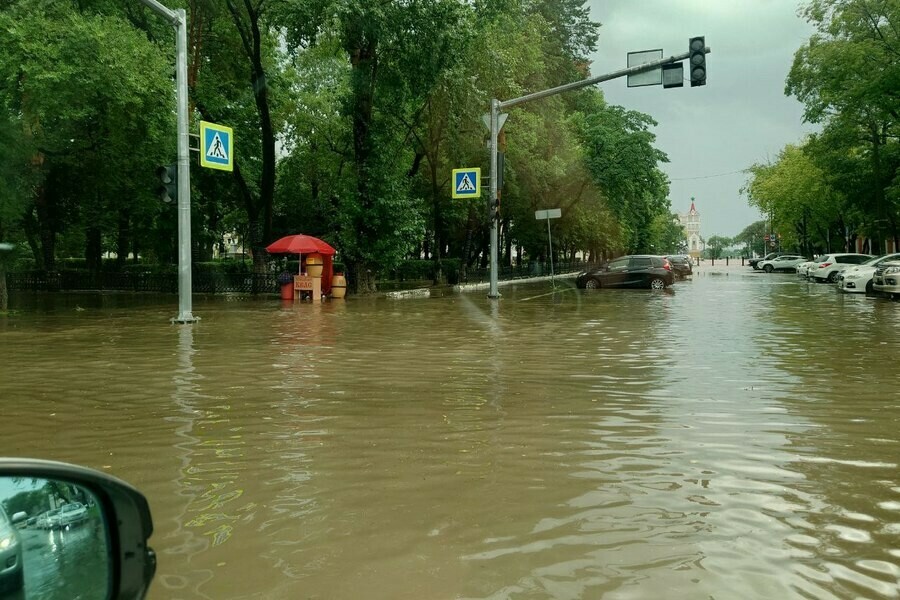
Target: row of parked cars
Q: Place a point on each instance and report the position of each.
(852, 272)
(636, 271)
(65, 516)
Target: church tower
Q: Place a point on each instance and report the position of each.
(691, 224)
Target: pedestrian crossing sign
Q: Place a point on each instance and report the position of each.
(467, 183)
(217, 146)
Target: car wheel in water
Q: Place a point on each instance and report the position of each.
(592, 284)
(832, 277)
(657, 284)
(768, 268)
(870, 290)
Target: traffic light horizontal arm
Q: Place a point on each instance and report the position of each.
(167, 13)
(598, 79)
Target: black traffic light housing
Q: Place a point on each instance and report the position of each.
(697, 60)
(168, 188)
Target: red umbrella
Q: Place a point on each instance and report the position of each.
(300, 244)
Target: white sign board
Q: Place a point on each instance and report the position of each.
(652, 77)
(553, 213)
(501, 119)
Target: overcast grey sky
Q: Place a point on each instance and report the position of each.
(740, 117)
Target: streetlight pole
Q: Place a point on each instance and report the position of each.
(498, 105)
(178, 19)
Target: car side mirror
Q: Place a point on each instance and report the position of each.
(74, 533)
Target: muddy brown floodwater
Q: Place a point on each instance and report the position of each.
(735, 437)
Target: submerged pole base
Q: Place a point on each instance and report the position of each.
(185, 319)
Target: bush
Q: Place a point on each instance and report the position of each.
(23, 264)
(423, 270)
(223, 266)
(149, 268)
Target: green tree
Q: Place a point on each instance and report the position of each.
(753, 238)
(91, 130)
(716, 244)
(623, 163)
(803, 208)
(846, 75)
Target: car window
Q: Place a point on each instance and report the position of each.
(641, 262)
(617, 265)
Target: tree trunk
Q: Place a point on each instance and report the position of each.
(31, 234)
(363, 67)
(507, 244)
(363, 279)
(46, 228)
(438, 225)
(93, 249)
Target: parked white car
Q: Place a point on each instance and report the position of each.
(785, 262)
(803, 268)
(830, 266)
(71, 514)
(859, 279)
(887, 278)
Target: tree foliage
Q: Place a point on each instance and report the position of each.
(348, 118)
(843, 182)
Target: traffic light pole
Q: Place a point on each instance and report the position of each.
(495, 215)
(498, 105)
(178, 19)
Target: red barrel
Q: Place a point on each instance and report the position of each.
(287, 291)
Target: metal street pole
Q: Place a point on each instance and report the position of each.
(178, 19)
(495, 221)
(550, 241)
(498, 105)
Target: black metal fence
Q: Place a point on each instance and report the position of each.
(528, 269)
(202, 283)
(206, 282)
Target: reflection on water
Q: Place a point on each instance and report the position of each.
(735, 438)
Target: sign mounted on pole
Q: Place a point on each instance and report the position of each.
(673, 75)
(651, 77)
(216, 146)
(466, 183)
(553, 213)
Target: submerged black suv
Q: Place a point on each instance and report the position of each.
(637, 271)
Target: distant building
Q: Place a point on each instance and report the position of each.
(691, 224)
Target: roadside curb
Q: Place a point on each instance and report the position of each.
(468, 287)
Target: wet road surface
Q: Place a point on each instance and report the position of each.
(735, 437)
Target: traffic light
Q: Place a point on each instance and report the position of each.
(495, 208)
(168, 188)
(697, 60)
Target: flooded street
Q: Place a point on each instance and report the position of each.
(737, 436)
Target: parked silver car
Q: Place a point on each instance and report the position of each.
(11, 574)
(71, 514)
(860, 279)
(785, 262)
(887, 279)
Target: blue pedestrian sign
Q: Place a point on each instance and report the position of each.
(467, 183)
(216, 146)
